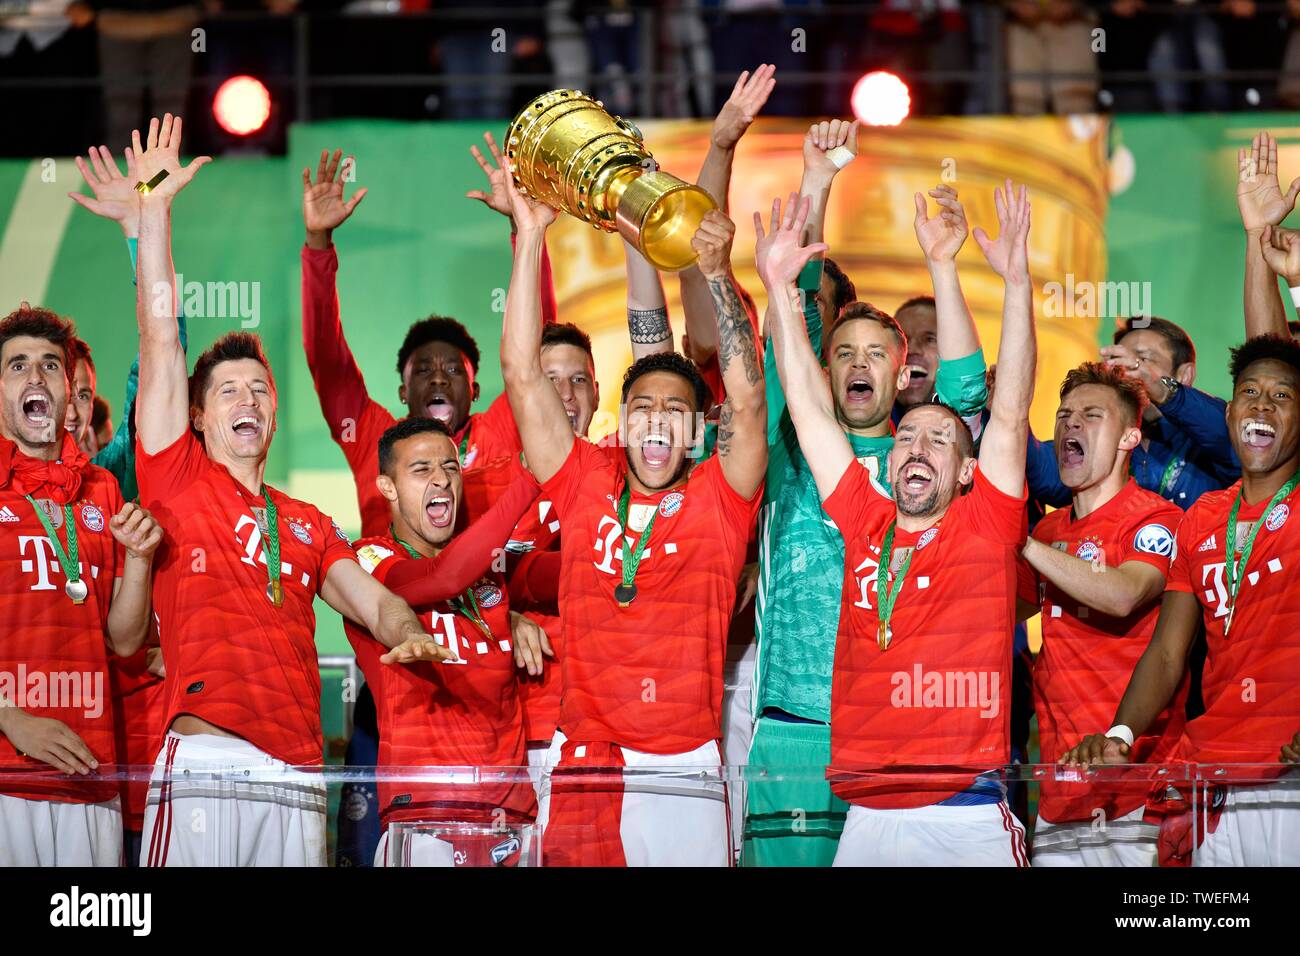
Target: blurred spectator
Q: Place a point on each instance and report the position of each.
(614, 40)
(1129, 31)
(1053, 39)
(566, 45)
(473, 48)
(905, 37)
(144, 45)
(1252, 40)
(743, 33)
(1189, 40)
(1288, 88)
(688, 58)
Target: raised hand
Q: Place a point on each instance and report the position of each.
(1008, 254)
(1281, 248)
(747, 98)
(162, 151)
(942, 235)
(114, 195)
(1259, 195)
(529, 214)
(821, 138)
(323, 206)
(497, 175)
(136, 530)
(778, 255)
(712, 243)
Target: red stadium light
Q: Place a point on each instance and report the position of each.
(881, 99)
(242, 105)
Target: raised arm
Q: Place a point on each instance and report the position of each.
(647, 309)
(742, 427)
(544, 428)
(1002, 447)
(781, 256)
(940, 238)
(1262, 204)
(162, 402)
(747, 98)
(823, 142)
(340, 386)
(497, 200)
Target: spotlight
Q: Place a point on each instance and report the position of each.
(881, 99)
(242, 105)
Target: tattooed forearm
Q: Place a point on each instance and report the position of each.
(649, 326)
(725, 430)
(735, 332)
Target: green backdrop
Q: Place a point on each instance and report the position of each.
(418, 246)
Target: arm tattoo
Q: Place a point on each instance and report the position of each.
(735, 333)
(725, 430)
(649, 326)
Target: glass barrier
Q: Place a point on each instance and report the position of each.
(215, 802)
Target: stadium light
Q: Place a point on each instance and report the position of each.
(242, 105)
(881, 99)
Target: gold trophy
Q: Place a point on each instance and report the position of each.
(565, 150)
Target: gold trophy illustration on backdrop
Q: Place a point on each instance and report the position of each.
(565, 150)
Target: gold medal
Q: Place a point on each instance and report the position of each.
(275, 592)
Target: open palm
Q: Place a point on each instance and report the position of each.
(113, 195)
(747, 98)
(942, 235)
(1259, 195)
(779, 254)
(323, 206)
(1008, 254)
(496, 198)
(162, 151)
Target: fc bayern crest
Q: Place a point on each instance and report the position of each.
(926, 537)
(300, 532)
(1277, 517)
(671, 504)
(92, 518)
(1088, 551)
(487, 595)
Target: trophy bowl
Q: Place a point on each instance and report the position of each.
(565, 150)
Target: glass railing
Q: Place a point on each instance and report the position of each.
(229, 811)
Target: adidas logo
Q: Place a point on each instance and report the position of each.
(1207, 544)
(7, 515)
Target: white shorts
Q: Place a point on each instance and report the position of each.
(984, 835)
(737, 736)
(537, 762)
(50, 833)
(677, 820)
(1259, 826)
(201, 821)
(1124, 841)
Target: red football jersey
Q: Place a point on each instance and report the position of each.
(939, 695)
(139, 699)
(462, 714)
(1251, 682)
(234, 659)
(647, 676)
(1088, 657)
(356, 421)
(53, 653)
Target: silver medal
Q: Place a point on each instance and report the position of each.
(76, 590)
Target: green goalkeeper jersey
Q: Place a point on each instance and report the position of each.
(801, 552)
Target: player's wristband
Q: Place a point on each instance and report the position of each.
(1295, 296)
(1123, 732)
(841, 156)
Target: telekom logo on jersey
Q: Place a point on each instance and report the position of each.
(255, 555)
(43, 561)
(610, 548)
